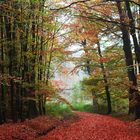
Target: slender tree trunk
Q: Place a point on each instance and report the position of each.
(11, 54)
(25, 70)
(32, 107)
(88, 68)
(2, 94)
(95, 102)
(88, 60)
(105, 82)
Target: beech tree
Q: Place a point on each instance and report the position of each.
(92, 11)
(29, 38)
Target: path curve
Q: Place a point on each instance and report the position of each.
(95, 127)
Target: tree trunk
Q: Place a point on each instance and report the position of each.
(2, 94)
(105, 82)
(133, 32)
(139, 22)
(128, 57)
(88, 60)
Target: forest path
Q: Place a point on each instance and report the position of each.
(95, 127)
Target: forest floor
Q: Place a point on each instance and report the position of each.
(82, 126)
(95, 127)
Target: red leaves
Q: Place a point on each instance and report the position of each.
(95, 127)
(104, 60)
(89, 127)
(28, 130)
(11, 132)
(58, 84)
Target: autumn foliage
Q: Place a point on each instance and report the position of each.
(38, 38)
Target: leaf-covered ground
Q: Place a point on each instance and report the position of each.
(87, 127)
(95, 127)
(29, 129)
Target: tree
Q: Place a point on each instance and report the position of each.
(133, 32)
(29, 38)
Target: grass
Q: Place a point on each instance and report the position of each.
(83, 107)
(60, 110)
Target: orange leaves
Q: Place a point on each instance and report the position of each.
(73, 25)
(68, 52)
(105, 9)
(40, 52)
(58, 84)
(49, 89)
(138, 76)
(104, 60)
(42, 92)
(74, 71)
(87, 54)
(82, 29)
(54, 49)
(64, 70)
(94, 57)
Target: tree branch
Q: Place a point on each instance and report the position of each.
(108, 21)
(73, 3)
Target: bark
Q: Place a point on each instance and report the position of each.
(105, 82)
(133, 32)
(95, 102)
(128, 57)
(32, 109)
(2, 94)
(88, 60)
(88, 68)
(11, 54)
(139, 23)
(41, 106)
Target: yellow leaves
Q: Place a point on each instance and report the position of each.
(56, 1)
(97, 1)
(125, 96)
(28, 54)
